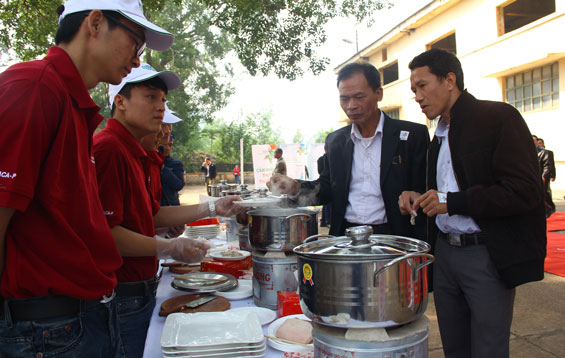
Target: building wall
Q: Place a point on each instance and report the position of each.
(486, 58)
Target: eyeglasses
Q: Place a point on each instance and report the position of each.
(140, 48)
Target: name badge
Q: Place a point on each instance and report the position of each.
(404, 135)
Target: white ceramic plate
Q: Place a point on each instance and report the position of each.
(243, 290)
(258, 202)
(215, 349)
(265, 315)
(211, 329)
(220, 256)
(235, 353)
(286, 347)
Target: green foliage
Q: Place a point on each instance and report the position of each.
(253, 128)
(278, 36)
(298, 137)
(322, 134)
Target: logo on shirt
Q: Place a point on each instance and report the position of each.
(92, 160)
(7, 175)
(108, 213)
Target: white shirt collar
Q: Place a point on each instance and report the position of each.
(355, 130)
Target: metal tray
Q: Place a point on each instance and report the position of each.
(195, 282)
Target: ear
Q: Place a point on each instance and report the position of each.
(94, 22)
(119, 102)
(451, 80)
(379, 93)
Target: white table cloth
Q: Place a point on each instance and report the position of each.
(164, 292)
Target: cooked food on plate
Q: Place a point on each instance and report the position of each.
(295, 330)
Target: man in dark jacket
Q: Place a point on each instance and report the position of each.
(547, 164)
(485, 208)
(209, 170)
(172, 177)
(369, 162)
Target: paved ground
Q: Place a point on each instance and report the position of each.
(538, 328)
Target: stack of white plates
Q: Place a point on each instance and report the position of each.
(207, 231)
(213, 335)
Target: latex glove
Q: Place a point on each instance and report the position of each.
(225, 206)
(184, 249)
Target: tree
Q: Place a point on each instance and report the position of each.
(298, 137)
(321, 135)
(268, 36)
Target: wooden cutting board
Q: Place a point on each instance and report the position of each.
(175, 304)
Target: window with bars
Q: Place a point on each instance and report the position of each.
(393, 112)
(535, 89)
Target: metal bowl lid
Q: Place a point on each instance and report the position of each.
(359, 243)
(279, 212)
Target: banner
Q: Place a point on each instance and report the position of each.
(300, 159)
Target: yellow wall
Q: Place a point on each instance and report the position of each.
(486, 58)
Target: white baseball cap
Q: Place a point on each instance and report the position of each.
(170, 117)
(144, 73)
(156, 38)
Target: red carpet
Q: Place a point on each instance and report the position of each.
(555, 259)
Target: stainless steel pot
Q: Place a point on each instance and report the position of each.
(410, 340)
(215, 190)
(271, 275)
(362, 280)
(278, 229)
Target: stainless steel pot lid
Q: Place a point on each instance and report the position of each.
(359, 244)
(280, 212)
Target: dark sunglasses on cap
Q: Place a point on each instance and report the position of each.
(140, 48)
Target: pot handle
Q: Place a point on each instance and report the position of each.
(294, 215)
(430, 259)
(311, 238)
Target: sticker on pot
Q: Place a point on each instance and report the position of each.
(307, 272)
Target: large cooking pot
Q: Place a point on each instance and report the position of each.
(362, 280)
(280, 229)
(215, 190)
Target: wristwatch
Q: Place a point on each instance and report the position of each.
(212, 208)
(442, 197)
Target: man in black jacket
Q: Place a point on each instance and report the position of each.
(209, 170)
(368, 163)
(547, 164)
(485, 208)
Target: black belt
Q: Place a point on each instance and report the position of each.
(141, 288)
(39, 308)
(377, 228)
(463, 239)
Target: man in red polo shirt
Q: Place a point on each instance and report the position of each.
(138, 110)
(57, 253)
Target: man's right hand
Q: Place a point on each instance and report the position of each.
(406, 202)
(282, 184)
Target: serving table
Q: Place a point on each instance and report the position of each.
(164, 292)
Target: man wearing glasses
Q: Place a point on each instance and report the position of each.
(57, 253)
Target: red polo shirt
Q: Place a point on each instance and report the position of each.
(155, 164)
(58, 241)
(123, 182)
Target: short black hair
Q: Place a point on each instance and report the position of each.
(154, 82)
(369, 71)
(69, 26)
(278, 150)
(440, 63)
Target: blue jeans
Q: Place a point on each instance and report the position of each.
(92, 332)
(134, 315)
(236, 179)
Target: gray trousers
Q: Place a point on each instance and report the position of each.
(474, 308)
